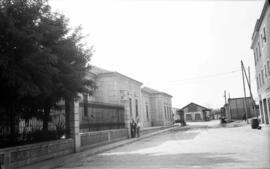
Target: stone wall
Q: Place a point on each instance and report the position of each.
(23, 155)
(96, 138)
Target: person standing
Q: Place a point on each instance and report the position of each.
(138, 128)
(133, 128)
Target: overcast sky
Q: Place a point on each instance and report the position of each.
(189, 49)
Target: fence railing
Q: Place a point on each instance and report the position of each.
(31, 131)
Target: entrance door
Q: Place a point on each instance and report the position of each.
(188, 117)
(261, 111)
(204, 115)
(198, 116)
(265, 111)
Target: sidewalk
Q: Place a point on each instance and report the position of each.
(60, 161)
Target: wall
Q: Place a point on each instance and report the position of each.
(133, 91)
(263, 89)
(92, 139)
(27, 154)
(115, 88)
(237, 108)
(161, 117)
(146, 101)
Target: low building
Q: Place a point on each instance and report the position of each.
(115, 90)
(195, 112)
(261, 49)
(160, 104)
(176, 115)
(235, 108)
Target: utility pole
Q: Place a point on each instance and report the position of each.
(244, 86)
(225, 97)
(253, 104)
(230, 113)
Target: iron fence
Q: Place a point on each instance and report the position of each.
(27, 131)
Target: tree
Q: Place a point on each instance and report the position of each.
(41, 60)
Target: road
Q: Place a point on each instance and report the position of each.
(202, 146)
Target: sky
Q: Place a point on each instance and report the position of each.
(188, 49)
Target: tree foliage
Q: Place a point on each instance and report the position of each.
(41, 60)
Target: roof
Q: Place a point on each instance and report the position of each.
(239, 98)
(100, 71)
(97, 70)
(259, 21)
(153, 91)
(196, 105)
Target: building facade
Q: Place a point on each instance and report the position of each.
(261, 50)
(195, 112)
(160, 104)
(176, 115)
(149, 106)
(235, 108)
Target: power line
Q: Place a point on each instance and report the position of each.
(191, 80)
(206, 76)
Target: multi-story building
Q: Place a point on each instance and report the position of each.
(261, 49)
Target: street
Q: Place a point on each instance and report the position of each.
(205, 145)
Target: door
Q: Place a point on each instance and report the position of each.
(265, 111)
(198, 116)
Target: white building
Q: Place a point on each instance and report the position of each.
(160, 105)
(261, 49)
(151, 107)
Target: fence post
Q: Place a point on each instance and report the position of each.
(75, 125)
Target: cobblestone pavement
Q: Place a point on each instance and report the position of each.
(206, 148)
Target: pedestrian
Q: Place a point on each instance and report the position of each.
(133, 128)
(138, 128)
(244, 117)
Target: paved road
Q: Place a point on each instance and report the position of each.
(199, 147)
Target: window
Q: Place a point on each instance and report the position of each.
(165, 112)
(257, 82)
(264, 35)
(260, 80)
(136, 106)
(257, 55)
(130, 107)
(265, 71)
(262, 40)
(259, 46)
(147, 115)
(255, 59)
(268, 67)
(262, 77)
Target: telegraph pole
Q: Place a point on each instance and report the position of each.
(249, 85)
(229, 107)
(244, 86)
(225, 97)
